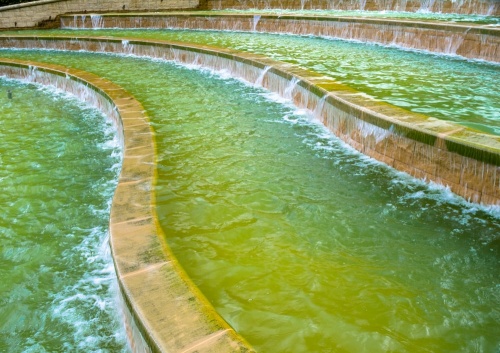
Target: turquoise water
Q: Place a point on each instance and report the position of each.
(59, 163)
(447, 88)
(301, 243)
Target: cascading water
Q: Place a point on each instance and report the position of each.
(485, 7)
(59, 165)
(97, 21)
(289, 90)
(426, 5)
(471, 41)
(439, 87)
(260, 79)
(309, 266)
(237, 171)
(256, 19)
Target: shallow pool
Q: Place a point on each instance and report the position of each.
(59, 163)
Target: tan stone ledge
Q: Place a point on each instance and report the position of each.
(171, 314)
(472, 41)
(28, 4)
(466, 160)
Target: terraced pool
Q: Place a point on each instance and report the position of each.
(299, 242)
(59, 162)
(443, 87)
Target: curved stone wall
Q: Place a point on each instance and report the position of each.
(469, 41)
(166, 312)
(466, 161)
(33, 13)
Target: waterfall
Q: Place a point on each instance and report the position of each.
(260, 79)
(97, 21)
(426, 5)
(319, 110)
(288, 93)
(256, 19)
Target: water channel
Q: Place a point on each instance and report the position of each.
(59, 162)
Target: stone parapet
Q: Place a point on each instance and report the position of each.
(467, 40)
(165, 311)
(466, 161)
(33, 13)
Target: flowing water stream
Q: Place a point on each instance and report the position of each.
(444, 87)
(403, 15)
(59, 163)
(301, 243)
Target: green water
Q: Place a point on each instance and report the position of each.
(443, 87)
(300, 243)
(58, 170)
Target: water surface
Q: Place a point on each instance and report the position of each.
(59, 164)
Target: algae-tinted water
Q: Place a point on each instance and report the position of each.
(443, 87)
(58, 170)
(302, 244)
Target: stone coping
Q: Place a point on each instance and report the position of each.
(28, 4)
(168, 309)
(472, 41)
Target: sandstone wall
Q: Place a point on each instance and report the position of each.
(32, 13)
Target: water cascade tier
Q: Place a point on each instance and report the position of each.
(446, 88)
(430, 149)
(484, 7)
(471, 41)
(59, 164)
(252, 211)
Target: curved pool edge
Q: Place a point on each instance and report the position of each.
(470, 41)
(165, 311)
(464, 160)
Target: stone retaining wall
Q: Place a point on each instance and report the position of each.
(32, 13)
(469, 41)
(466, 161)
(165, 311)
